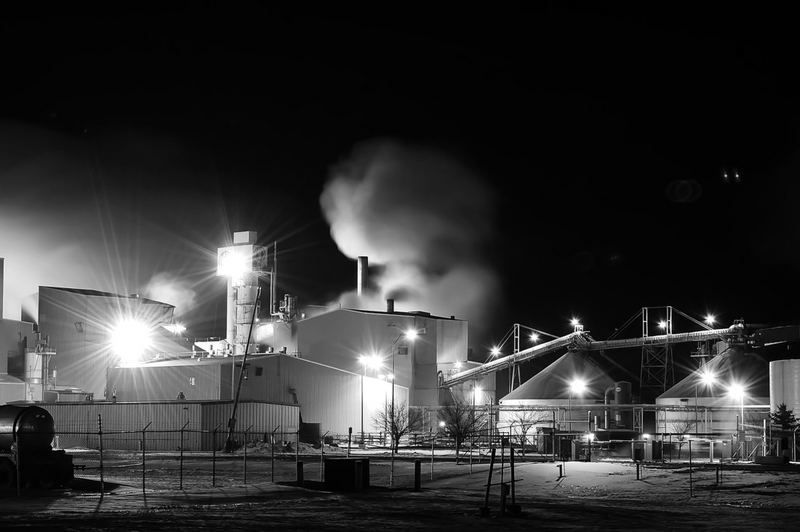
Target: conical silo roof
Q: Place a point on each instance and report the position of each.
(734, 365)
(553, 381)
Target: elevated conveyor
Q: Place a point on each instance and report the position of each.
(581, 340)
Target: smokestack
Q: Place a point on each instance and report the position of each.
(363, 274)
(2, 280)
(390, 305)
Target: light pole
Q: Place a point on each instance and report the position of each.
(707, 378)
(736, 390)
(409, 334)
(374, 362)
(576, 386)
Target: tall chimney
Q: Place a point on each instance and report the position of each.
(390, 305)
(363, 274)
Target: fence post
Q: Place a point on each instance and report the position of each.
(100, 441)
(485, 507)
(15, 452)
(691, 492)
(513, 480)
(272, 447)
(503, 443)
(322, 456)
(181, 461)
(433, 444)
(245, 452)
(144, 432)
(471, 450)
(214, 456)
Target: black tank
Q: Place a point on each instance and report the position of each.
(32, 426)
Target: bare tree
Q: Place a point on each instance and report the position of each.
(525, 420)
(461, 421)
(682, 427)
(398, 421)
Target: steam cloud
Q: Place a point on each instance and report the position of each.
(169, 288)
(81, 213)
(425, 218)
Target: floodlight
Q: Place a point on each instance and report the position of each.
(707, 377)
(736, 390)
(130, 338)
(577, 386)
(175, 328)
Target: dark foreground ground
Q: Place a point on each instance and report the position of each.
(588, 496)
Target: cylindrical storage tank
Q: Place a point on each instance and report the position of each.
(33, 367)
(784, 384)
(622, 393)
(623, 417)
(31, 426)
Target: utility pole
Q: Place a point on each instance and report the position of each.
(232, 420)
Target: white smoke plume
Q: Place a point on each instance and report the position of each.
(424, 218)
(169, 288)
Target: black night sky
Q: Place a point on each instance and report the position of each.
(134, 141)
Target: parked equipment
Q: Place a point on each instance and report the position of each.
(26, 433)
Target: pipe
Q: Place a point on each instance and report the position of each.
(605, 402)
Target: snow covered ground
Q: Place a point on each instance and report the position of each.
(576, 496)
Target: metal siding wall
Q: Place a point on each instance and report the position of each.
(11, 352)
(326, 395)
(82, 357)
(162, 383)
(77, 423)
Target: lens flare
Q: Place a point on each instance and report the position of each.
(130, 338)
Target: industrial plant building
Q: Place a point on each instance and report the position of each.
(339, 368)
(280, 355)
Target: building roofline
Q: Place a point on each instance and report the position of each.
(410, 314)
(98, 293)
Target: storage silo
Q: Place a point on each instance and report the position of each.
(784, 384)
(550, 389)
(708, 407)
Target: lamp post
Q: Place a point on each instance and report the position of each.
(707, 378)
(372, 361)
(576, 386)
(736, 390)
(409, 334)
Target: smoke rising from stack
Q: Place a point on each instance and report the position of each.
(423, 218)
(170, 288)
(94, 213)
